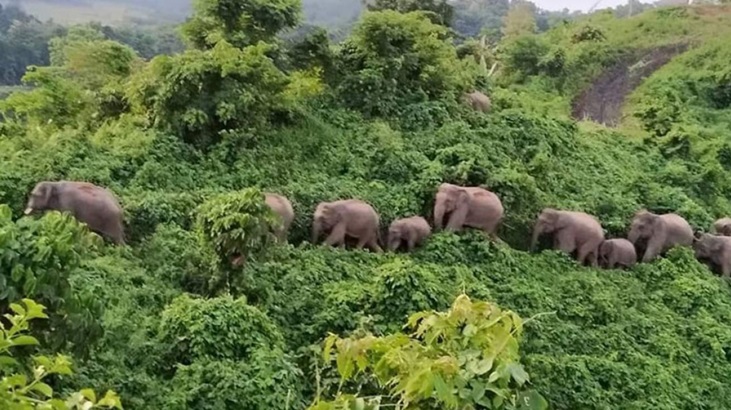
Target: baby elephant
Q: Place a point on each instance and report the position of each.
(722, 227)
(716, 249)
(93, 205)
(413, 231)
(617, 252)
(282, 207)
(349, 217)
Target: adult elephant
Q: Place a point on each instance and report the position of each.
(661, 232)
(349, 217)
(281, 206)
(477, 101)
(95, 206)
(722, 227)
(716, 249)
(572, 231)
(475, 207)
(412, 231)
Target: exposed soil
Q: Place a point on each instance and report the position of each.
(602, 102)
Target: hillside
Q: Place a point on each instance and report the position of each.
(187, 141)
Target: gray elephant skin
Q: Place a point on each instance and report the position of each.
(572, 231)
(412, 231)
(475, 207)
(281, 206)
(617, 253)
(716, 249)
(347, 218)
(95, 206)
(477, 101)
(661, 232)
(722, 227)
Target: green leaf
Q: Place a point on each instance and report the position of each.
(17, 309)
(444, 393)
(89, 394)
(25, 340)
(7, 361)
(43, 388)
(531, 400)
(478, 392)
(483, 366)
(518, 373)
(110, 399)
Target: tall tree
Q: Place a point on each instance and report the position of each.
(520, 20)
(439, 11)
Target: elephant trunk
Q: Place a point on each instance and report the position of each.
(634, 236)
(537, 231)
(438, 215)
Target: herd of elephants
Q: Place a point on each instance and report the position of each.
(456, 207)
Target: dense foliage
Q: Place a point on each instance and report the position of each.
(189, 141)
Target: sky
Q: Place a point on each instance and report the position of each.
(583, 5)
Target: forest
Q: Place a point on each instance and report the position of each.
(606, 113)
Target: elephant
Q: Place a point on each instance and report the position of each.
(662, 232)
(716, 249)
(349, 217)
(475, 207)
(477, 101)
(281, 206)
(572, 231)
(413, 230)
(722, 227)
(617, 252)
(95, 206)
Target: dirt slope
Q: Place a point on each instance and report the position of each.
(602, 101)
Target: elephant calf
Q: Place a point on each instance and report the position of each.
(716, 249)
(722, 227)
(95, 206)
(282, 207)
(413, 231)
(467, 206)
(477, 101)
(572, 231)
(661, 232)
(617, 252)
(349, 217)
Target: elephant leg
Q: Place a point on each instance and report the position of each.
(584, 254)
(565, 241)
(373, 245)
(458, 218)
(337, 236)
(654, 247)
(726, 268)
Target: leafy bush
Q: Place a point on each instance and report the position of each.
(470, 350)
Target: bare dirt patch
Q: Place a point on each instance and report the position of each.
(602, 102)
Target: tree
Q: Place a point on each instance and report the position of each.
(393, 59)
(201, 95)
(239, 22)
(439, 11)
(520, 20)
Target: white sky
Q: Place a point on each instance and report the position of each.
(582, 5)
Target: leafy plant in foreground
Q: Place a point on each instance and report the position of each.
(20, 392)
(464, 358)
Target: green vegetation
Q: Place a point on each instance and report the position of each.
(189, 141)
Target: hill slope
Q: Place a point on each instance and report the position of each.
(169, 135)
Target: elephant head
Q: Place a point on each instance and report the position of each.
(450, 199)
(395, 236)
(722, 227)
(548, 221)
(326, 216)
(605, 249)
(41, 198)
(644, 225)
(707, 245)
